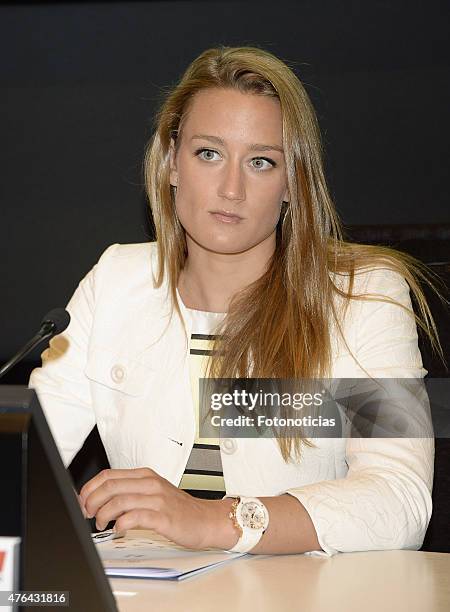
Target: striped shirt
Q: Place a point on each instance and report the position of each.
(203, 476)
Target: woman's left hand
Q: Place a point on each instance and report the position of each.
(141, 499)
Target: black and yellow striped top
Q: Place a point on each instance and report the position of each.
(203, 476)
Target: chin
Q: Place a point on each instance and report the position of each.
(224, 246)
(230, 248)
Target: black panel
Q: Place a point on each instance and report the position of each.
(57, 552)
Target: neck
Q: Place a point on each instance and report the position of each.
(209, 280)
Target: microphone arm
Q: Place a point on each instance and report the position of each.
(48, 329)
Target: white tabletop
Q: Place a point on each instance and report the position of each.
(404, 581)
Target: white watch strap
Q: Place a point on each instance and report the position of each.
(248, 540)
(249, 537)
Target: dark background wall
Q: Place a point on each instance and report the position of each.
(80, 83)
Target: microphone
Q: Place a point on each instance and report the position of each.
(52, 324)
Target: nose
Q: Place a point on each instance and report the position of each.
(232, 182)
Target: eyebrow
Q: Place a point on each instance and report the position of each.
(252, 147)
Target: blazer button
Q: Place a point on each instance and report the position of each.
(118, 373)
(228, 446)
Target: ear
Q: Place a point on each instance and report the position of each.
(173, 164)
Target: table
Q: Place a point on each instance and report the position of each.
(376, 581)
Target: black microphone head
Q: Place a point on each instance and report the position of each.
(60, 319)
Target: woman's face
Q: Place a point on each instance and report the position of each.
(229, 171)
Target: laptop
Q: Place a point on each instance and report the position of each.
(40, 505)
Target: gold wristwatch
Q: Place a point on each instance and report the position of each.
(251, 517)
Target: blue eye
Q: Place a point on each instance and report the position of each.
(200, 151)
(263, 159)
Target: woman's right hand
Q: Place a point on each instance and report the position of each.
(83, 509)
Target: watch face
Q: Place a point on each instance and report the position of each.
(254, 515)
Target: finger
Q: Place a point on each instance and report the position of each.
(83, 509)
(105, 475)
(117, 487)
(122, 504)
(142, 519)
(80, 502)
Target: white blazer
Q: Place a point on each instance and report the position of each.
(123, 365)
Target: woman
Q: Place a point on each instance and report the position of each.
(249, 256)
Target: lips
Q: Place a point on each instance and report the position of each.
(225, 216)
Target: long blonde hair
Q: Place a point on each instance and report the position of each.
(291, 339)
